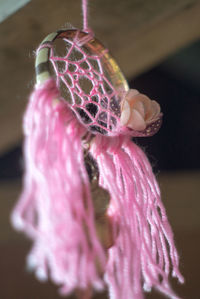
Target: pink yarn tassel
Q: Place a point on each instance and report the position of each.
(55, 208)
(141, 230)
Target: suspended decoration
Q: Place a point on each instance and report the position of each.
(78, 127)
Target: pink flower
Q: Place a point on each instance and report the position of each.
(138, 111)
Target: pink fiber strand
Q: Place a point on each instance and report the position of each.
(139, 257)
(85, 14)
(55, 209)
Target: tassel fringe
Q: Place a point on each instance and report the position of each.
(142, 234)
(55, 209)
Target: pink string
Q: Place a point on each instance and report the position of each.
(86, 28)
(85, 15)
(55, 208)
(139, 258)
(98, 108)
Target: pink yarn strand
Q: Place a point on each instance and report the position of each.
(55, 209)
(139, 255)
(85, 15)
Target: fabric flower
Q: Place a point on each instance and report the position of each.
(138, 111)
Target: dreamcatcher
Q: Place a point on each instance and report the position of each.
(78, 127)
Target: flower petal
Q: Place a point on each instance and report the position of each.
(140, 107)
(131, 94)
(136, 121)
(125, 113)
(153, 113)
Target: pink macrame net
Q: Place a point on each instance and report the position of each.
(83, 80)
(56, 210)
(81, 76)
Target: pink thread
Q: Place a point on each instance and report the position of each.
(97, 106)
(142, 232)
(55, 208)
(89, 89)
(86, 28)
(85, 15)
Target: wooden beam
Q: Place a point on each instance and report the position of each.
(140, 34)
(162, 38)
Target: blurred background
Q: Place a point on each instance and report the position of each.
(157, 45)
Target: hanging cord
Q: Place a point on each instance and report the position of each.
(85, 15)
(86, 28)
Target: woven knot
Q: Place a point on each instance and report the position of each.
(87, 38)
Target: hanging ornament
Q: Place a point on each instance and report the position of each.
(78, 128)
